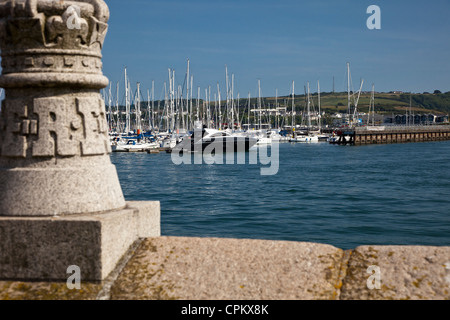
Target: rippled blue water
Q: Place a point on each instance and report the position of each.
(344, 196)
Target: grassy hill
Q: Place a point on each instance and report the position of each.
(384, 102)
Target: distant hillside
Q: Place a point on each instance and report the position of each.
(384, 102)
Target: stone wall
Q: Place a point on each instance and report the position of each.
(172, 268)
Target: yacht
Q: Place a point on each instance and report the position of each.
(132, 145)
(305, 138)
(217, 141)
(263, 137)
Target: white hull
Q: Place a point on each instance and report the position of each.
(309, 139)
(169, 143)
(264, 141)
(138, 147)
(217, 141)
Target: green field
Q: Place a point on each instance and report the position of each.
(384, 102)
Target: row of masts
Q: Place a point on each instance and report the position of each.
(181, 111)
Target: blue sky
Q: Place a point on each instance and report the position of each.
(278, 42)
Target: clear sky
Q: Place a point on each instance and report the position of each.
(279, 41)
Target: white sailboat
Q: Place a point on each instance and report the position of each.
(263, 136)
(309, 136)
(132, 141)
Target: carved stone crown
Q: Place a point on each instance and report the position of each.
(52, 38)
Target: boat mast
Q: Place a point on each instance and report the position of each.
(276, 109)
(198, 103)
(153, 105)
(319, 120)
(149, 111)
(127, 104)
(209, 107)
(191, 106)
(309, 110)
(259, 104)
(228, 96)
(166, 106)
(174, 107)
(238, 120)
(215, 110)
(293, 105)
(357, 101)
(348, 92)
(248, 110)
(171, 103)
(208, 118)
(232, 101)
(117, 109)
(181, 106)
(187, 95)
(220, 109)
(138, 107)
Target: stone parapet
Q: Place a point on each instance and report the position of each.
(167, 268)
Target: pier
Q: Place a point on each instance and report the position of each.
(391, 134)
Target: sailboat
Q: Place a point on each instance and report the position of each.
(263, 137)
(132, 141)
(309, 136)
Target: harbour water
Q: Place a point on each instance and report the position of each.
(394, 194)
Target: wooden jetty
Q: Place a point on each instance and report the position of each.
(390, 134)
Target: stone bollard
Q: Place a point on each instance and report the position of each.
(61, 203)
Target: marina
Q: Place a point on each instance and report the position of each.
(110, 191)
(164, 124)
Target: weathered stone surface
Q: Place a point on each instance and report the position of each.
(54, 144)
(61, 201)
(406, 272)
(43, 248)
(10, 290)
(77, 189)
(148, 217)
(229, 269)
(204, 268)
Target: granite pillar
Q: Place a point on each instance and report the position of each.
(61, 202)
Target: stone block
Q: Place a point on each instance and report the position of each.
(148, 217)
(42, 248)
(405, 273)
(229, 269)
